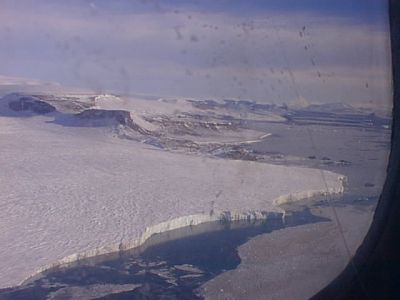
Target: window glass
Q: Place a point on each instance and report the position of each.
(189, 149)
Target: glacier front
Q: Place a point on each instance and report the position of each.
(69, 192)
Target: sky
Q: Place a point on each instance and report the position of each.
(272, 51)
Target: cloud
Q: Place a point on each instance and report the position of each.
(197, 50)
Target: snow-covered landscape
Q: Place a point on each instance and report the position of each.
(188, 149)
(84, 175)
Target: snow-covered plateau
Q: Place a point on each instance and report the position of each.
(72, 189)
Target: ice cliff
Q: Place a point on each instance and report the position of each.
(72, 192)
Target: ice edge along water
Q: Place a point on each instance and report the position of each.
(193, 220)
(73, 146)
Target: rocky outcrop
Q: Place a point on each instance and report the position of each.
(35, 105)
(120, 117)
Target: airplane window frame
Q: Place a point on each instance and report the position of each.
(372, 271)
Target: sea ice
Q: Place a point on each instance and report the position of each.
(73, 192)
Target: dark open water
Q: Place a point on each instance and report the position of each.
(171, 269)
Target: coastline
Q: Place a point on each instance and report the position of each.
(187, 221)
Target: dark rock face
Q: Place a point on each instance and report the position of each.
(31, 104)
(192, 124)
(121, 117)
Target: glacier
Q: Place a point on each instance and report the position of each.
(69, 193)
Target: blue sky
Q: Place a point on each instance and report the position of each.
(266, 50)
